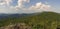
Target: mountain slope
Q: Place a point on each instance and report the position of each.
(44, 19)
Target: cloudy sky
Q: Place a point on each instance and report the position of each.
(29, 6)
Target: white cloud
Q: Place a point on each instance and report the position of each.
(39, 7)
(45, 7)
(21, 2)
(5, 2)
(20, 7)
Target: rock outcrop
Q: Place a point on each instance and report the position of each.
(17, 26)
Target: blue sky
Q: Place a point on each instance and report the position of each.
(25, 6)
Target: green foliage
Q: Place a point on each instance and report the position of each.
(38, 21)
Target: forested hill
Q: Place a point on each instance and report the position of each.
(32, 19)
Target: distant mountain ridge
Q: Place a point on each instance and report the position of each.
(13, 15)
(20, 15)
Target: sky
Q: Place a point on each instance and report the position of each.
(29, 6)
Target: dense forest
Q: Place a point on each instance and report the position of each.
(43, 20)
